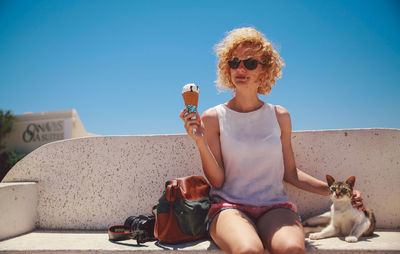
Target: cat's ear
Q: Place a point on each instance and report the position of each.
(330, 180)
(351, 181)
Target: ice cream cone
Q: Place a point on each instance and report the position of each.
(191, 98)
(190, 94)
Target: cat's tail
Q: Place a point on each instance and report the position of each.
(372, 219)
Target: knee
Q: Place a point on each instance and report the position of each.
(290, 248)
(295, 249)
(249, 249)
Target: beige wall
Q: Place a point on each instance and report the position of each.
(91, 183)
(32, 130)
(18, 208)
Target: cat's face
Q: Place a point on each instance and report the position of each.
(340, 190)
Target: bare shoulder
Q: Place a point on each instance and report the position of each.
(283, 117)
(210, 119)
(280, 111)
(210, 115)
(211, 112)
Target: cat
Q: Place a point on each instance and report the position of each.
(343, 219)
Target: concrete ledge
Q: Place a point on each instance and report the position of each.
(18, 208)
(97, 242)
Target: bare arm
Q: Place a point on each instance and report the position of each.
(207, 139)
(293, 175)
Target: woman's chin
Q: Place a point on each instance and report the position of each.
(241, 83)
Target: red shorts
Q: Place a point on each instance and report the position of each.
(253, 212)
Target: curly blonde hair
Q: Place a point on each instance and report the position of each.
(270, 58)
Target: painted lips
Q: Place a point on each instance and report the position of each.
(241, 77)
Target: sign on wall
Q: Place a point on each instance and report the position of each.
(32, 130)
(43, 131)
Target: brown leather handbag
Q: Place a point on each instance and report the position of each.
(182, 210)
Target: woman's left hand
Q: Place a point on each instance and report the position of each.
(356, 201)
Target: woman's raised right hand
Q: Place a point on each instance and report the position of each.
(193, 124)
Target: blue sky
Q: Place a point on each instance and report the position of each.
(121, 64)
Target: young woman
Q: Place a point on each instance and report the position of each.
(246, 152)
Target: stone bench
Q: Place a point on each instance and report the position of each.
(82, 186)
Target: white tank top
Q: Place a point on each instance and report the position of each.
(252, 156)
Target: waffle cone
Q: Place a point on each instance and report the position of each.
(191, 98)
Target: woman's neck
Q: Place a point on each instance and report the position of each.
(245, 103)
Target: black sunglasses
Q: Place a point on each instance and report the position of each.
(250, 63)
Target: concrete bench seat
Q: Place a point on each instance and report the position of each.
(97, 241)
(88, 184)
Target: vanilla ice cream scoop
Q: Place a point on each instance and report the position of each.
(190, 88)
(190, 94)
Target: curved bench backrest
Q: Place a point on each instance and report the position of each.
(94, 182)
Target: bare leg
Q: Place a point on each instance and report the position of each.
(281, 232)
(234, 232)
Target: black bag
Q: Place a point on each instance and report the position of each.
(140, 228)
(180, 215)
